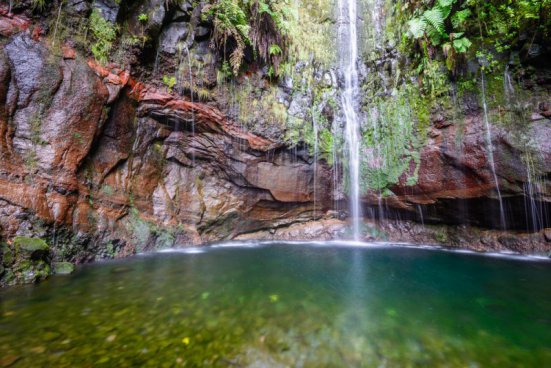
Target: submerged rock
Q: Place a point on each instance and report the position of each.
(63, 268)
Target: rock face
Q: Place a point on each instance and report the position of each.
(107, 166)
(456, 183)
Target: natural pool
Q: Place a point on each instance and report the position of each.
(288, 305)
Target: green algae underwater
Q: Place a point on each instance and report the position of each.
(285, 305)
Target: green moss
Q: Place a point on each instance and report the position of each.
(107, 190)
(26, 261)
(30, 245)
(393, 137)
(441, 236)
(30, 160)
(7, 254)
(63, 268)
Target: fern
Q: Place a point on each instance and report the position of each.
(257, 24)
(435, 18)
(275, 49)
(417, 27)
(432, 22)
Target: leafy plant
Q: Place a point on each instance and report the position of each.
(275, 50)
(230, 22)
(104, 34)
(169, 82)
(258, 24)
(38, 4)
(143, 18)
(431, 24)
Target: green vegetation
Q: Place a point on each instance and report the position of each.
(143, 18)
(430, 25)
(39, 5)
(104, 34)
(261, 25)
(460, 30)
(169, 82)
(27, 260)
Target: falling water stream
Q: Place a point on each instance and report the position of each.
(348, 56)
(316, 149)
(491, 152)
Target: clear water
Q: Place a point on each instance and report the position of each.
(285, 305)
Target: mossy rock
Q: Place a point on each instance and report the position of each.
(7, 278)
(32, 272)
(29, 245)
(6, 254)
(441, 236)
(27, 261)
(63, 268)
(31, 248)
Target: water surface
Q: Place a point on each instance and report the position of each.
(285, 305)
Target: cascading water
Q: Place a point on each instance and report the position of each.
(491, 152)
(316, 149)
(348, 56)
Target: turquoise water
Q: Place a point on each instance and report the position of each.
(285, 305)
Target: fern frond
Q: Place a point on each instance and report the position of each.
(417, 27)
(435, 18)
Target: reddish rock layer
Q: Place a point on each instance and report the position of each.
(105, 161)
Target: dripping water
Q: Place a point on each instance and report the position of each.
(490, 148)
(420, 210)
(156, 62)
(316, 146)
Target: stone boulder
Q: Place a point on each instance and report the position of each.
(26, 261)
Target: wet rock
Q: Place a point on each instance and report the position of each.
(27, 57)
(547, 234)
(171, 35)
(63, 268)
(80, 7)
(11, 24)
(511, 243)
(26, 261)
(109, 9)
(32, 248)
(202, 33)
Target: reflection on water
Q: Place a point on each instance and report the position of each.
(285, 305)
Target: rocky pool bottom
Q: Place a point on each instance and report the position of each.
(272, 305)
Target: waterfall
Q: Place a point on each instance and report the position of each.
(491, 152)
(348, 57)
(316, 149)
